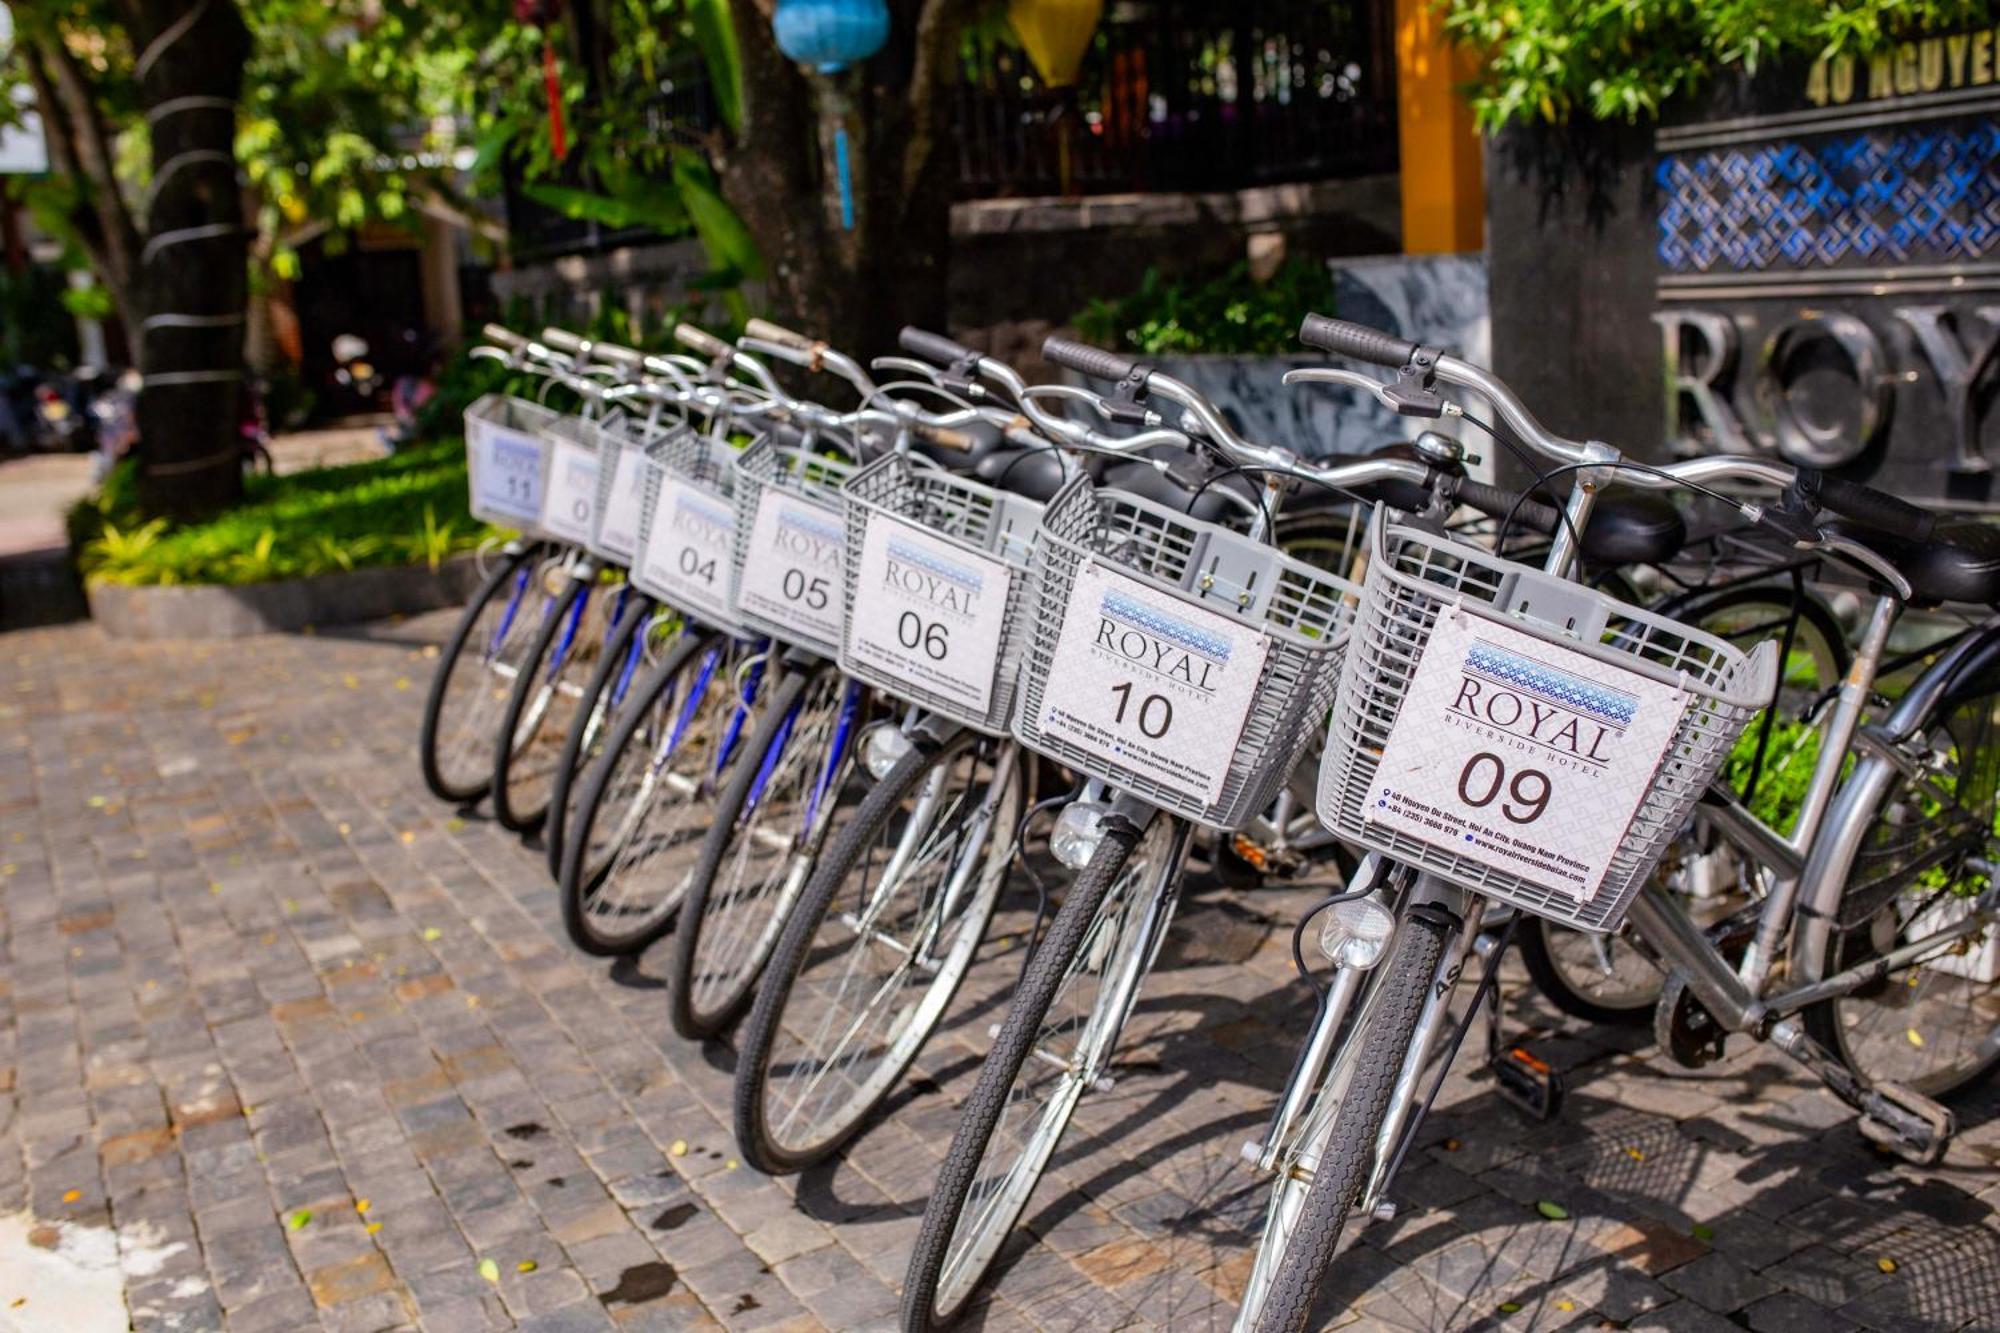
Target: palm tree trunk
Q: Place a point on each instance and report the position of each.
(192, 279)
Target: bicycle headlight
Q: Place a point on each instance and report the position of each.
(1356, 933)
(882, 749)
(1079, 828)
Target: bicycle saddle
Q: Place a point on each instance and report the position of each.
(1634, 528)
(1960, 564)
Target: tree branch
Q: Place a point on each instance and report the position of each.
(93, 158)
(934, 69)
(84, 220)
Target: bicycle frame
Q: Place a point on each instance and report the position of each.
(1803, 903)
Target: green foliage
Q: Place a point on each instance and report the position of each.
(27, 335)
(1626, 59)
(403, 510)
(1226, 313)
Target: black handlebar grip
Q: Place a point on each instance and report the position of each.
(1346, 338)
(1498, 502)
(934, 347)
(1085, 359)
(1872, 508)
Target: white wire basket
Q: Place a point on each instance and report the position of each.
(1302, 613)
(1415, 576)
(625, 445)
(507, 460)
(977, 539)
(789, 509)
(687, 529)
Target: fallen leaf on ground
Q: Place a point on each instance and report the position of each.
(1555, 1212)
(297, 1221)
(525, 1266)
(489, 1270)
(1886, 1264)
(433, 933)
(679, 1148)
(71, 1196)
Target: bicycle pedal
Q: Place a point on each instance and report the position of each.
(1907, 1123)
(1528, 1081)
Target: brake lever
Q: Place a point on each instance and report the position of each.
(1855, 553)
(1105, 410)
(1346, 379)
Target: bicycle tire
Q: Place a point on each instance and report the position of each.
(581, 880)
(451, 786)
(1391, 1016)
(759, 1037)
(1919, 999)
(596, 718)
(1056, 960)
(694, 1013)
(513, 809)
(1543, 943)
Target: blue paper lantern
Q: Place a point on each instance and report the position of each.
(830, 34)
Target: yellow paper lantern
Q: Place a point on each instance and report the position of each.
(1055, 33)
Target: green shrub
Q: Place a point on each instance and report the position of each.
(403, 510)
(1229, 312)
(1552, 59)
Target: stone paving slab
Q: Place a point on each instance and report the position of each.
(313, 1050)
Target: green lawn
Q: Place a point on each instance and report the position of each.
(407, 509)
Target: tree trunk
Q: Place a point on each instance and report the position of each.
(854, 288)
(192, 278)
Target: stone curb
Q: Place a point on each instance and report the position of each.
(210, 612)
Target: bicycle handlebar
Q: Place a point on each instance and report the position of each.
(763, 330)
(1093, 361)
(701, 340)
(1866, 505)
(1346, 338)
(933, 346)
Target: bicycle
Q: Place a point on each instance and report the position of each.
(651, 795)
(534, 590)
(1252, 636)
(1860, 912)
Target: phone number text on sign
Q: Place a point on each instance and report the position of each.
(1151, 683)
(1521, 754)
(688, 548)
(928, 612)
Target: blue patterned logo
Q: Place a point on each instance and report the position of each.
(931, 564)
(1550, 683)
(1883, 196)
(1160, 625)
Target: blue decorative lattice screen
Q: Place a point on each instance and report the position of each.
(1927, 194)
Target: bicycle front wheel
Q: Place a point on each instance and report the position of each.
(474, 676)
(870, 958)
(536, 719)
(1051, 1049)
(619, 667)
(649, 802)
(1301, 1233)
(756, 857)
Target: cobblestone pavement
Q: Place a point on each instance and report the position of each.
(314, 1047)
